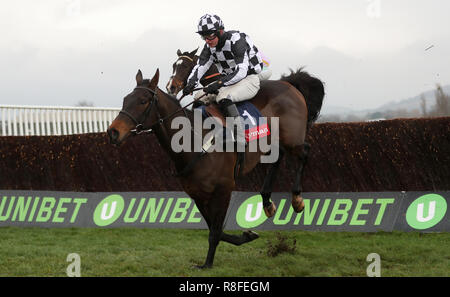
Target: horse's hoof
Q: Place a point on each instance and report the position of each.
(251, 235)
(297, 203)
(201, 267)
(270, 210)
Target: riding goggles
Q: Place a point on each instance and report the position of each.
(209, 37)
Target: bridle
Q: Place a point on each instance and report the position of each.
(139, 129)
(187, 57)
(184, 57)
(193, 61)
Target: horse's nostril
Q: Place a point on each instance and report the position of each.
(113, 134)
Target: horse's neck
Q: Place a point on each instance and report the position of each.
(167, 109)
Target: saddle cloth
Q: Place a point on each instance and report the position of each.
(256, 126)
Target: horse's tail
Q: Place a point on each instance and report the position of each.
(312, 89)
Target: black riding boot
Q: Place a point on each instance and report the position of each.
(229, 109)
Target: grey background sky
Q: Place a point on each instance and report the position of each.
(368, 52)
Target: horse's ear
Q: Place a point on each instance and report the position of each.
(155, 80)
(194, 51)
(179, 53)
(139, 78)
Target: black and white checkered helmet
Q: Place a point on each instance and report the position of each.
(209, 24)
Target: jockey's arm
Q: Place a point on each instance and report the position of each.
(203, 64)
(239, 49)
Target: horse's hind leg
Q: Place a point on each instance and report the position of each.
(302, 153)
(216, 234)
(246, 236)
(266, 191)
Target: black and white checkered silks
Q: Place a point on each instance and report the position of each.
(235, 57)
(209, 23)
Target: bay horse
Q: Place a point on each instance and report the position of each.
(307, 87)
(211, 179)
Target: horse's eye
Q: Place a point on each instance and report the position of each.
(143, 101)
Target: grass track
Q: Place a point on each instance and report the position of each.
(154, 252)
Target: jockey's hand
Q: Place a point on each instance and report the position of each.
(188, 89)
(198, 103)
(213, 88)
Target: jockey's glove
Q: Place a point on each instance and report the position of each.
(213, 88)
(198, 103)
(188, 89)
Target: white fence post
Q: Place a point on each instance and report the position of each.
(18, 120)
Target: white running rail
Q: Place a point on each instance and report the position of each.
(49, 120)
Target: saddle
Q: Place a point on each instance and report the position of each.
(255, 125)
(255, 128)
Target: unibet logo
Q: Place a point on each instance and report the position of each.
(250, 214)
(108, 210)
(426, 211)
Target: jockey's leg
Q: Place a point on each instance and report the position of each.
(243, 90)
(230, 110)
(229, 95)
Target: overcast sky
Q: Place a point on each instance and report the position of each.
(368, 52)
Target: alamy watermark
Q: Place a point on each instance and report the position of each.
(263, 138)
(74, 268)
(374, 268)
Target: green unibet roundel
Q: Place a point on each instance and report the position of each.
(108, 210)
(251, 214)
(426, 211)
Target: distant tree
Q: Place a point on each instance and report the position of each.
(423, 105)
(440, 109)
(442, 102)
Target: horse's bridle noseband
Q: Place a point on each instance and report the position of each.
(139, 129)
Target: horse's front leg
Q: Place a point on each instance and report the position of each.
(216, 212)
(213, 240)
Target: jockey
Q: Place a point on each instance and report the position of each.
(236, 58)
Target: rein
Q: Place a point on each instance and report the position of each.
(139, 129)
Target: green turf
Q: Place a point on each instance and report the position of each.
(154, 252)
